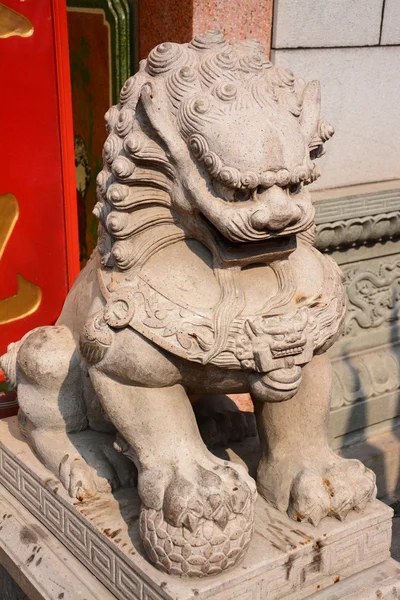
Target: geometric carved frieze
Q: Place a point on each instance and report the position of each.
(53, 510)
(31, 490)
(149, 594)
(304, 575)
(102, 557)
(76, 532)
(128, 582)
(9, 470)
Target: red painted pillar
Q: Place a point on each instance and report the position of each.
(39, 254)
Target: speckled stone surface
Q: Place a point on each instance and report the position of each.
(179, 20)
(237, 20)
(167, 21)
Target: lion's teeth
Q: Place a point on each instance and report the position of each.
(288, 351)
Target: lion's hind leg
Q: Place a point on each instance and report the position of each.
(48, 379)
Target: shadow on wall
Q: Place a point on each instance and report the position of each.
(373, 456)
(358, 421)
(395, 342)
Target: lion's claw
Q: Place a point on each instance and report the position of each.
(329, 486)
(77, 477)
(189, 521)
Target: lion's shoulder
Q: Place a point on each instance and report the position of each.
(183, 272)
(308, 269)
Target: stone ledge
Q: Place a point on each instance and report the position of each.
(381, 453)
(285, 560)
(42, 567)
(35, 580)
(357, 215)
(381, 582)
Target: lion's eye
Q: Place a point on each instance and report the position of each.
(279, 337)
(242, 195)
(230, 194)
(223, 191)
(294, 188)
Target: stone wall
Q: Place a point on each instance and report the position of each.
(353, 48)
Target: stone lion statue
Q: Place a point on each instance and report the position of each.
(204, 281)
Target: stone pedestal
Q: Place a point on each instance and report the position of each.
(285, 560)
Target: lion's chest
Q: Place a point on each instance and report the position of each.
(259, 319)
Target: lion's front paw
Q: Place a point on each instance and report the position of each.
(205, 521)
(327, 486)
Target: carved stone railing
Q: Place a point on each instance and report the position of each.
(357, 219)
(361, 230)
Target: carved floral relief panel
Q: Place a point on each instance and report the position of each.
(373, 295)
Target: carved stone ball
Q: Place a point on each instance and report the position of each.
(208, 550)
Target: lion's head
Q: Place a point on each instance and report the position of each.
(210, 140)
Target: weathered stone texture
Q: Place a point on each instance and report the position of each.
(205, 281)
(310, 23)
(391, 23)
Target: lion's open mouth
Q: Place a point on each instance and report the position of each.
(244, 253)
(279, 353)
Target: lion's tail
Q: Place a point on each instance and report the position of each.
(8, 363)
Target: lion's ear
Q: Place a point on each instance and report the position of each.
(156, 106)
(311, 110)
(150, 96)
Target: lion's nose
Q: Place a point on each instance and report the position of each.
(277, 213)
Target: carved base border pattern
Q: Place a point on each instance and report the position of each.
(97, 554)
(317, 557)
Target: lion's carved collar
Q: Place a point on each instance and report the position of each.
(281, 334)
